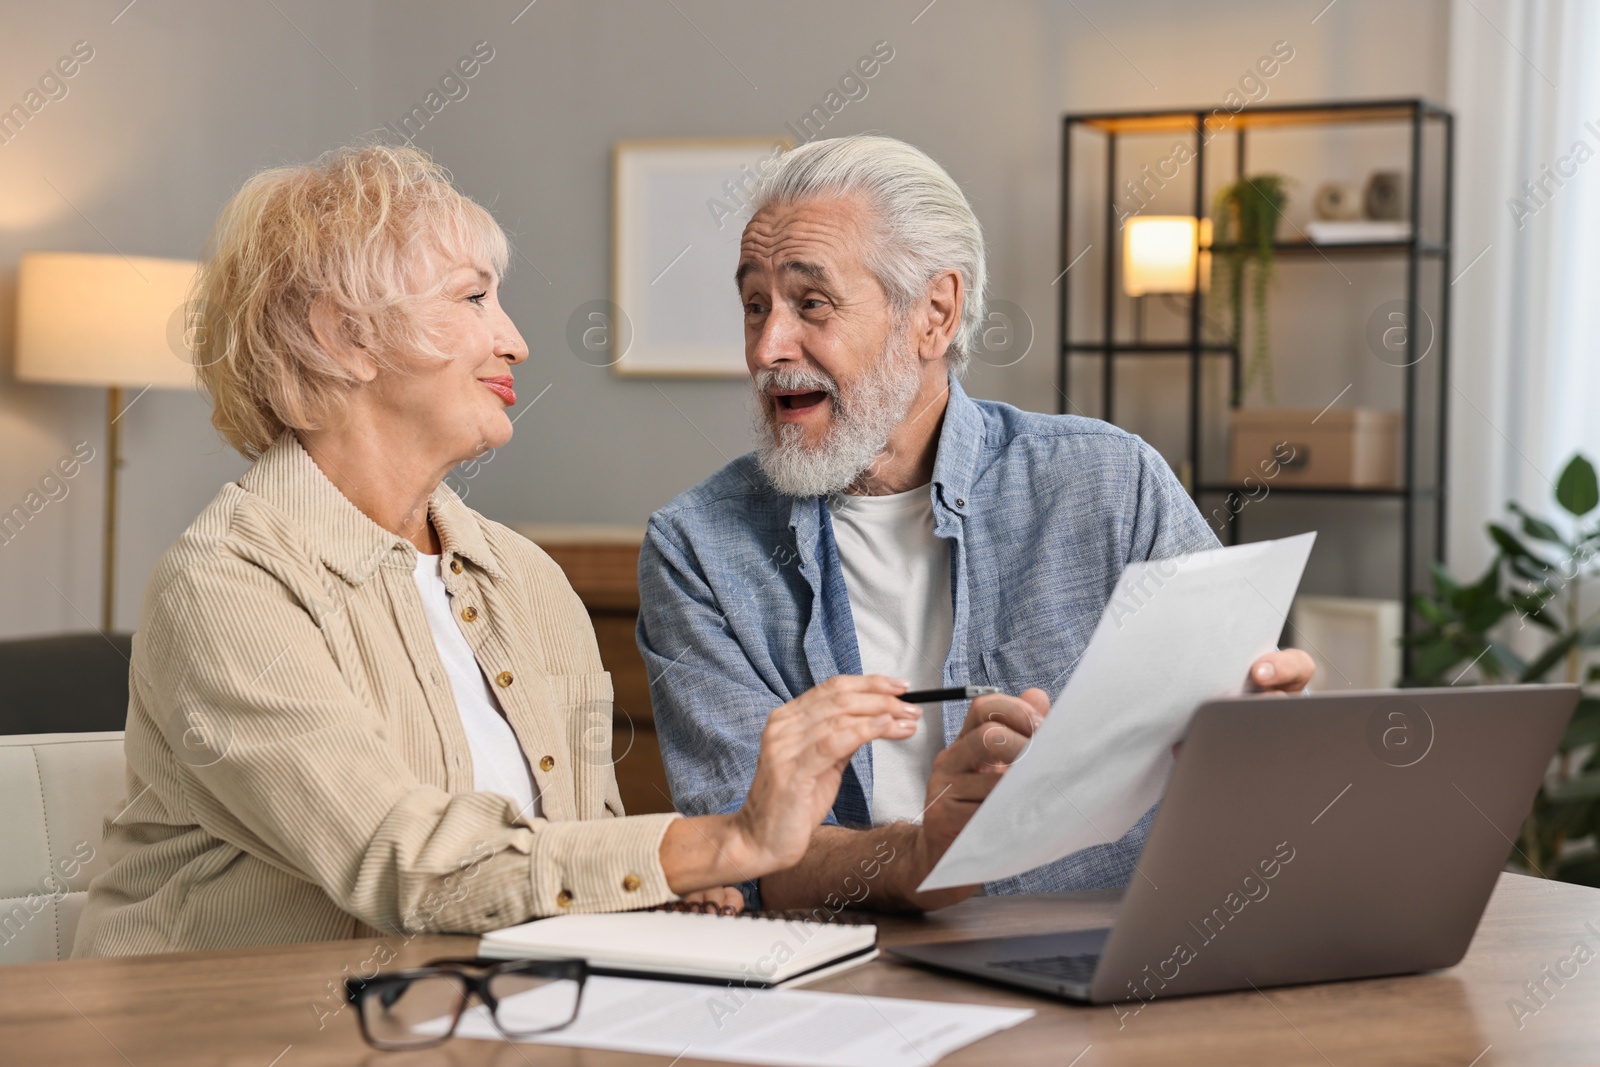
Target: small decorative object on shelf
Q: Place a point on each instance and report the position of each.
(1336, 201)
(1246, 215)
(1339, 212)
(1386, 195)
(1357, 231)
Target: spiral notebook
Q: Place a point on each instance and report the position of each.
(760, 950)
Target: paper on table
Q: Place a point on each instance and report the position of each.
(781, 1027)
(1176, 632)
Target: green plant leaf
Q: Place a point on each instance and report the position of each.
(1532, 569)
(1553, 654)
(1538, 528)
(1431, 610)
(1484, 613)
(1584, 788)
(1443, 584)
(1434, 660)
(1570, 819)
(1245, 215)
(1584, 729)
(1577, 490)
(1501, 661)
(1489, 584)
(1505, 662)
(1508, 542)
(1531, 607)
(1540, 594)
(1580, 870)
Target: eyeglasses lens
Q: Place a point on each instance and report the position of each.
(532, 1003)
(399, 1014)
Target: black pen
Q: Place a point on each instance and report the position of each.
(960, 692)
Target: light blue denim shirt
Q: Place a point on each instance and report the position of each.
(744, 606)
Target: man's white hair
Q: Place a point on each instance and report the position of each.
(926, 226)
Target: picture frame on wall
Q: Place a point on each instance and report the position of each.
(678, 209)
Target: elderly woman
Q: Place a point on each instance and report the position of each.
(358, 706)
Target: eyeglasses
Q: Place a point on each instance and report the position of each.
(421, 1007)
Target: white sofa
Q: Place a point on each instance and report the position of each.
(55, 792)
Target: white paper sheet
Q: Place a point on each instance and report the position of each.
(1176, 633)
(781, 1027)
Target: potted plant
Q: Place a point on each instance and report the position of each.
(1537, 579)
(1245, 217)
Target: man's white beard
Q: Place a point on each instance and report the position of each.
(863, 420)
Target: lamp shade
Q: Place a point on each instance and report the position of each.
(103, 320)
(1158, 254)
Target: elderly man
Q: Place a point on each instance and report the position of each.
(888, 523)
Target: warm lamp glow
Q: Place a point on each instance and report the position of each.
(107, 321)
(102, 320)
(1158, 254)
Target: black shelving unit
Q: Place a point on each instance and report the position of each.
(1422, 493)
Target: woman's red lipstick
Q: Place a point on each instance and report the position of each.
(502, 388)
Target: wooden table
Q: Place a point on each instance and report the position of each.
(272, 1007)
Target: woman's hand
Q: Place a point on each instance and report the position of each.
(805, 748)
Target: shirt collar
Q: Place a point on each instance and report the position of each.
(461, 531)
(955, 464)
(340, 534)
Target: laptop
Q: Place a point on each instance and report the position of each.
(1306, 839)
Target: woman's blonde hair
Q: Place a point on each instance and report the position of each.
(370, 231)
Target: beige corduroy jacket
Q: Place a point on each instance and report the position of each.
(297, 769)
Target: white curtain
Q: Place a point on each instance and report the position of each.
(1525, 87)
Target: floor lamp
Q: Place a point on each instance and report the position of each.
(110, 321)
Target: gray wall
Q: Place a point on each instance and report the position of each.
(183, 100)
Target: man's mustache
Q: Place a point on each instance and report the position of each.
(795, 378)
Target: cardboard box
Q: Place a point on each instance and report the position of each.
(1348, 448)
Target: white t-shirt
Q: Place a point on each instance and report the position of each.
(498, 765)
(897, 574)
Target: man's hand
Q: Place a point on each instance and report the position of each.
(726, 899)
(1288, 671)
(994, 737)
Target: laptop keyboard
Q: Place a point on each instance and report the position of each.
(1078, 969)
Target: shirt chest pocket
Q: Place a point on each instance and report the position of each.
(584, 707)
(1030, 663)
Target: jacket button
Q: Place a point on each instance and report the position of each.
(469, 614)
(455, 566)
(564, 899)
(960, 503)
(503, 679)
(631, 884)
(548, 763)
